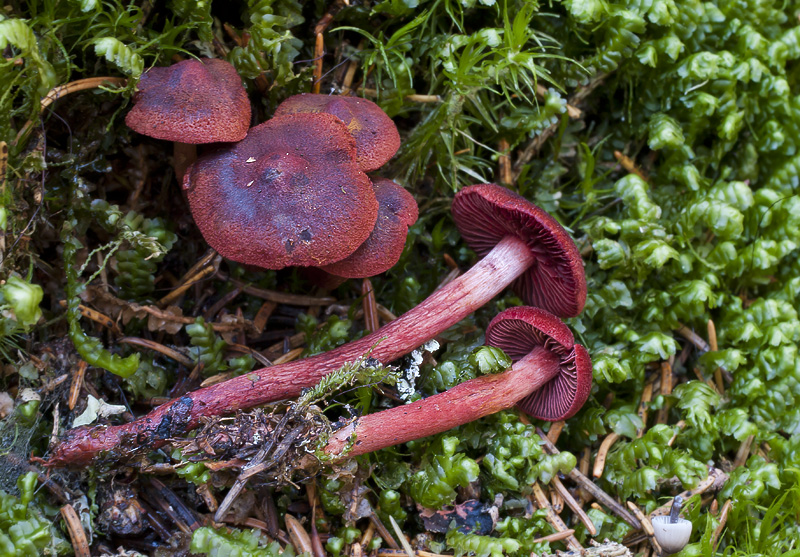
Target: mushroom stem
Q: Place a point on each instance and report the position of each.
(442, 309)
(462, 404)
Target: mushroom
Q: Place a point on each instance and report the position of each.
(189, 103)
(290, 193)
(672, 532)
(377, 139)
(397, 210)
(499, 224)
(547, 364)
(514, 254)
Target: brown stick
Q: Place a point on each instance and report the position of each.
(561, 489)
(504, 162)
(63, 90)
(714, 482)
(628, 164)
(646, 526)
(587, 484)
(556, 537)
(666, 389)
(370, 306)
(602, 453)
(723, 519)
(298, 535)
(744, 452)
(693, 338)
(319, 46)
(278, 297)
(712, 342)
(177, 292)
(555, 431)
(552, 517)
(79, 542)
(155, 346)
(77, 383)
(288, 357)
(647, 396)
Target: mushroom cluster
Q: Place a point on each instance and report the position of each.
(292, 191)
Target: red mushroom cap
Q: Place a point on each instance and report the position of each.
(486, 213)
(520, 329)
(397, 210)
(290, 193)
(193, 101)
(377, 139)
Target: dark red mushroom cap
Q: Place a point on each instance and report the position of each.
(290, 193)
(486, 213)
(193, 101)
(397, 210)
(377, 139)
(519, 330)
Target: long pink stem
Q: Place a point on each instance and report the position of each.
(460, 405)
(442, 309)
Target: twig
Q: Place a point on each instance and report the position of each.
(714, 482)
(277, 297)
(602, 453)
(288, 357)
(693, 338)
(555, 537)
(63, 90)
(319, 46)
(504, 162)
(646, 526)
(712, 342)
(666, 390)
(680, 425)
(383, 531)
(554, 520)
(555, 431)
(153, 345)
(316, 543)
(628, 164)
(263, 315)
(647, 396)
(76, 533)
(587, 484)
(744, 452)
(298, 534)
(188, 283)
(574, 505)
(723, 519)
(77, 383)
(370, 306)
(95, 316)
(402, 537)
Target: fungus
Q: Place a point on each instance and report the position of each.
(377, 139)
(190, 103)
(489, 216)
(672, 532)
(442, 309)
(546, 359)
(397, 210)
(290, 193)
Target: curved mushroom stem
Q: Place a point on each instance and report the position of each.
(442, 309)
(675, 511)
(462, 404)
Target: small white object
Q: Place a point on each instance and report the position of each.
(97, 408)
(671, 536)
